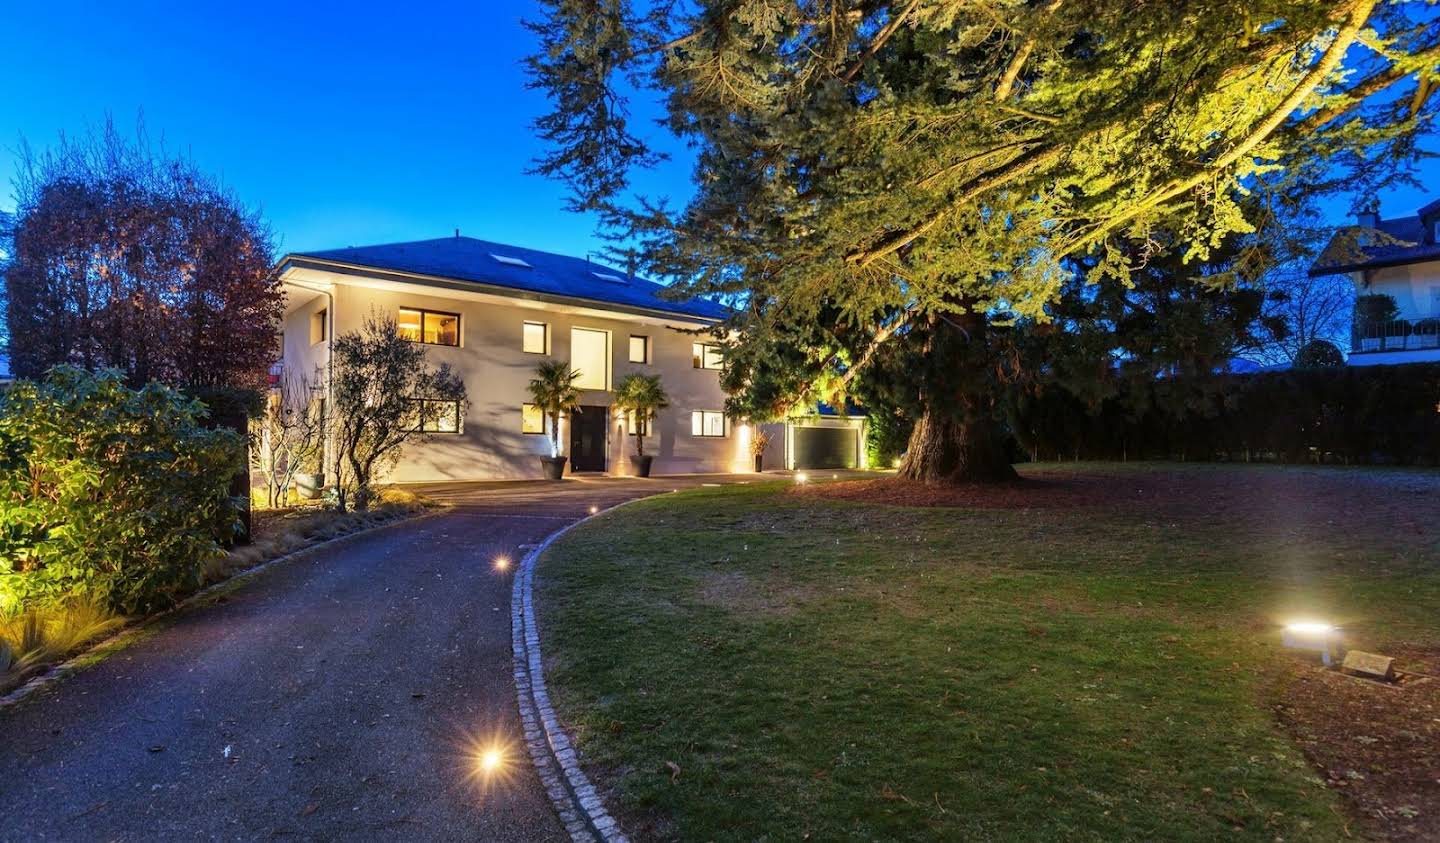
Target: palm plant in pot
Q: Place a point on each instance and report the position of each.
(640, 396)
(554, 393)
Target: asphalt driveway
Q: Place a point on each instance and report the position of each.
(341, 694)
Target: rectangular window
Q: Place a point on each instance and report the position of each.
(429, 415)
(537, 338)
(706, 356)
(707, 423)
(318, 326)
(428, 326)
(639, 349)
(631, 424)
(590, 357)
(531, 419)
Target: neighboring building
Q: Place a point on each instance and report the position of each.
(1402, 263)
(493, 312)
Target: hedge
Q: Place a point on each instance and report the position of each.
(1353, 414)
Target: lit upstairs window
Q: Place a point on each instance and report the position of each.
(706, 356)
(428, 326)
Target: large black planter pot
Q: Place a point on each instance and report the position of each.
(554, 467)
(641, 465)
(759, 463)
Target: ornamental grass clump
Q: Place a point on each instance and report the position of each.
(109, 493)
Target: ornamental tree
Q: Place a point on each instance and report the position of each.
(384, 392)
(907, 172)
(641, 396)
(125, 257)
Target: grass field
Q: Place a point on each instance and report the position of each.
(1096, 658)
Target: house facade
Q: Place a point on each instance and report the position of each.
(493, 312)
(1398, 258)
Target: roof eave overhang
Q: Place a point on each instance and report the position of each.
(1379, 263)
(460, 285)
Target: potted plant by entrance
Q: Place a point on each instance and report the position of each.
(554, 392)
(640, 396)
(759, 441)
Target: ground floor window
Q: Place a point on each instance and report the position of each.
(429, 415)
(532, 420)
(707, 423)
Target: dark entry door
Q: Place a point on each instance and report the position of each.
(587, 439)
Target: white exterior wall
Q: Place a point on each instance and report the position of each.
(496, 370)
(1415, 287)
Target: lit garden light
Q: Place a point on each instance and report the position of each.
(802, 477)
(490, 762)
(594, 509)
(1313, 636)
(502, 563)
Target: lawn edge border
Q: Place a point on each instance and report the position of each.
(121, 638)
(580, 807)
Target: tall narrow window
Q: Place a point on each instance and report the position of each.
(531, 419)
(318, 326)
(590, 356)
(428, 326)
(639, 349)
(707, 423)
(537, 338)
(706, 356)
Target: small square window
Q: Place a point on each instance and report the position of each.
(537, 338)
(707, 423)
(639, 349)
(531, 419)
(634, 424)
(706, 356)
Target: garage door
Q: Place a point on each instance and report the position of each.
(827, 447)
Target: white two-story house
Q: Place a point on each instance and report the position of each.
(1401, 261)
(494, 311)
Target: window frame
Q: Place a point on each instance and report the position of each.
(645, 338)
(700, 360)
(419, 426)
(543, 420)
(427, 312)
(699, 416)
(544, 336)
(319, 326)
(609, 374)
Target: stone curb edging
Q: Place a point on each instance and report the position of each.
(79, 660)
(574, 797)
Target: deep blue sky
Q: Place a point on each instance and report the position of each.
(354, 124)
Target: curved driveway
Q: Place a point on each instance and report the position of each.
(336, 695)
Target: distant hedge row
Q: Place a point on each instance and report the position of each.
(1352, 414)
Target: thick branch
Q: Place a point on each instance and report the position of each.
(1327, 64)
(1022, 55)
(879, 41)
(1017, 167)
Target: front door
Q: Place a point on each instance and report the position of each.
(587, 439)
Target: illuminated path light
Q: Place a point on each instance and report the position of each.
(502, 563)
(594, 509)
(1313, 636)
(802, 477)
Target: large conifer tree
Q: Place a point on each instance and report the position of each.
(873, 172)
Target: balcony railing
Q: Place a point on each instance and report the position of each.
(1396, 335)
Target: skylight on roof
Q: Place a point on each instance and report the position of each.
(509, 261)
(613, 279)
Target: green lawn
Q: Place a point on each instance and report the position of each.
(1098, 671)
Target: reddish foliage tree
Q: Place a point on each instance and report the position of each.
(126, 257)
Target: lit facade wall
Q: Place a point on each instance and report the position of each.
(496, 369)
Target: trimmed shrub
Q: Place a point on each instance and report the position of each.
(110, 493)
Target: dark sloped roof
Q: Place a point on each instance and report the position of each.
(1415, 246)
(548, 275)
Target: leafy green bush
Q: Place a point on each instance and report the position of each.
(108, 492)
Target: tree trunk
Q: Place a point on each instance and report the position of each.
(957, 438)
(944, 449)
